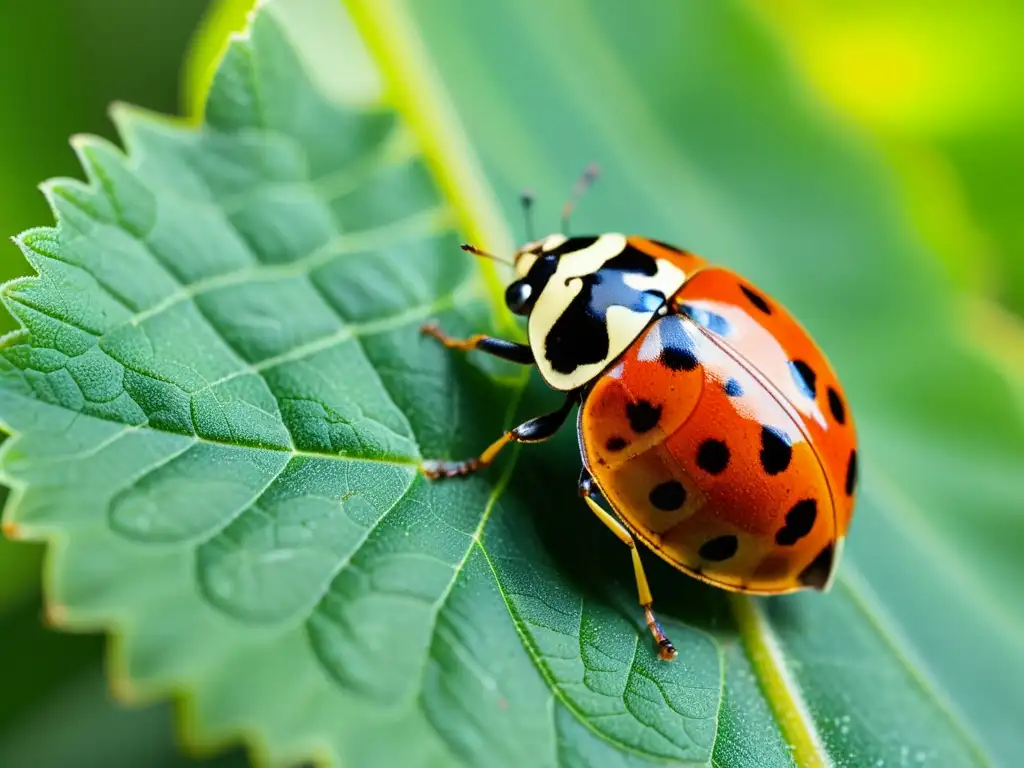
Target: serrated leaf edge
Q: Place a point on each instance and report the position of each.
(194, 739)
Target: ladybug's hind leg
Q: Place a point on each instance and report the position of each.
(536, 430)
(588, 490)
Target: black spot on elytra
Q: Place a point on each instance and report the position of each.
(733, 388)
(642, 416)
(776, 450)
(756, 299)
(615, 443)
(804, 377)
(851, 474)
(580, 334)
(668, 496)
(835, 404)
(712, 321)
(820, 568)
(677, 359)
(799, 521)
(678, 350)
(713, 456)
(719, 548)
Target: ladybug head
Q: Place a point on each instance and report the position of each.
(534, 264)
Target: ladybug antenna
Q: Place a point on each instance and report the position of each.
(526, 203)
(584, 183)
(478, 252)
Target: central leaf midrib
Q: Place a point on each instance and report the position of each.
(777, 685)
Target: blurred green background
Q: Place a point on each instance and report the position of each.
(936, 87)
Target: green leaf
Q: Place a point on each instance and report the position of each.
(220, 398)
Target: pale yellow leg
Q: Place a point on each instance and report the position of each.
(627, 538)
(666, 651)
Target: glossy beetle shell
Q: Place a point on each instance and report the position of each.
(722, 439)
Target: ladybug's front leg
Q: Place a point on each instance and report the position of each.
(588, 490)
(535, 430)
(506, 350)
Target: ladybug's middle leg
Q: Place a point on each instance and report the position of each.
(588, 490)
(506, 350)
(535, 430)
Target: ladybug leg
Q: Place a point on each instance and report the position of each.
(588, 490)
(506, 350)
(536, 430)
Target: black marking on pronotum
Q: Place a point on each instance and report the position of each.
(678, 350)
(643, 416)
(804, 377)
(705, 318)
(820, 568)
(668, 496)
(580, 335)
(799, 522)
(756, 299)
(719, 548)
(776, 450)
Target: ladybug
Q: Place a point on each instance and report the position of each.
(710, 424)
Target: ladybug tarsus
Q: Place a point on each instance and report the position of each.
(536, 430)
(666, 651)
(436, 469)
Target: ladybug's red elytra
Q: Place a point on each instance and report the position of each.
(710, 423)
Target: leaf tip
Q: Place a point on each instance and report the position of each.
(122, 114)
(55, 615)
(79, 141)
(117, 108)
(11, 530)
(122, 690)
(49, 190)
(125, 115)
